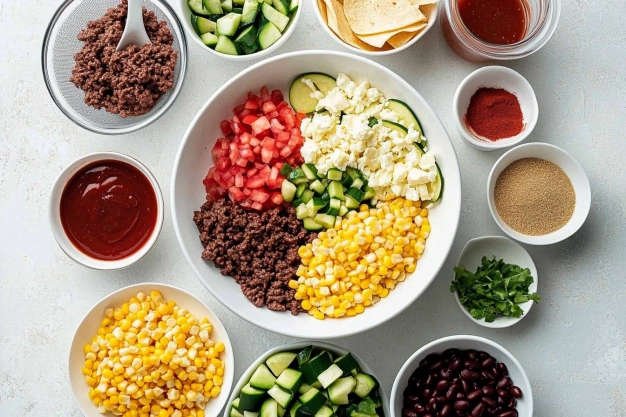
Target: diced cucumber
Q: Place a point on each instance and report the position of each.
(312, 401)
(343, 210)
(245, 39)
(333, 372)
(347, 181)
(249, 12)
(262, 378)
(290, 380)
(354, 173)
(297, 176)
(250, 414)
(310, 171)
(214, 17)
(238, 3)
(300, 93)
(281, 410)
(351, 203)
(334, 174)
(325, 220)
(314, 205)
(405, 113)
(317, 186)
(236, 403)
(226, 46)
(278, 19)
(282, 6)
(325, 196)
(358, 183)
(314, 367)
(335, 190)
(281, 396)
(369, 193)
(302, 212)
(213, 6)
(197, 7)
(304, 388)
(250, 398)
(300, 190)
(304, 355)
(280, 361)
(294, 408)
(293, 6)
(364, 384)
(311, 225)
(227, 5)
(333, 207)
(339, 391)
(347, 363)
(228, 24)
(324, 411)
(202, 25)
(286, 169)
(235, 413)
(269, 408)
(268, 34)
(436, 188)
(356, 194)
(307, 195)
(209, 39)
(287, 189)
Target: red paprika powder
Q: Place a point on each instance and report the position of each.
(494, 113)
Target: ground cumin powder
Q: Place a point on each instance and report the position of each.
(534, 197)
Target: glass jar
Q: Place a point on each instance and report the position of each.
(542, 17)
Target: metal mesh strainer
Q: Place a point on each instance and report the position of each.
(61, 43)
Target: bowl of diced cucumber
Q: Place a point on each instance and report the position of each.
(308, 379)
(240, 29)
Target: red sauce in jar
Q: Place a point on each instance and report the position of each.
(500, 22)
(108, 210)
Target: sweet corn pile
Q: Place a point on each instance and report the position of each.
(361, 259)
(152, 358)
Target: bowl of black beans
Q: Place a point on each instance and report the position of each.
(462, 376)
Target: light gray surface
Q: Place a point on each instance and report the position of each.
(573, 344)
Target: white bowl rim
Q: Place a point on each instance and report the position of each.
(528, 396)
(256, 55)
(498, 323)
(199, 114)
(157, 286)
(407, 45)
(503, 143)
(55, 199)
(243, 380)
(534, 240)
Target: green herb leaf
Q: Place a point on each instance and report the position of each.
(372, 121)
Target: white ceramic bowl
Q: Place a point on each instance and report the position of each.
(194, 160)
(90, 323)
(55, 218)
(573, 170)
(516, 372)
(185, 16)
(502, 248)
(295, 346)
(495, 77)
(430, 11)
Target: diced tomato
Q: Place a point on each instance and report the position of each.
(254, 142)
(239, 109)
(222, 163)
(237, 127)
(265, 172)
(272, 181)
(259, 125)
(265, 94)
(257, 206)
(266, 155)
(246, 203)
(259, 196)
(257, 149)
(281, 105)
(236, 194)
(246, 138)
(283, 137)
(249, 119)
(255, 181)
(276, 197)
(285, 151)
(277, 97)
(272, 114)
(268, 107)
(251, 172)
(251, 104)
(276, 127)
(263, 134)
(225, 126)
(268, 143)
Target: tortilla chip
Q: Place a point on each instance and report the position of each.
(339, 24)
(400, 39)
(323, 11)
(331, 16)
(379, 39)
(422, 2)
(367, 17)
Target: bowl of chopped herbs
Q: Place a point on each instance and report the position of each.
(495, 281)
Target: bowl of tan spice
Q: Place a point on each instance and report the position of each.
(538, 194)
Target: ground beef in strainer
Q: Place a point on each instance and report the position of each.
(258, 249)
(131, 81)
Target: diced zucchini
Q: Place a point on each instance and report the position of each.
(281, 410)
(197, 7)
(282, 6)
(355, 194)
(304, 388)
(347, 181)
(351, 203)
(290, 380)
(227, 5)
(333, 372)
(268, 34)
(300, 189)
(356, 413)
(246, 41)
(325, 220)
(436, 188)
(249, 12)
(228, 24)
(262, 378)
(300, 93)
(367, 406)
(238, 3)
(325, 196)
(302, 211)
(280, 361)
(314, 367)
(213, 6)
(209, 39)
(202, 25)
(278, 19)
(354, 173)
(369, 193)
(294, 408)
(343, 210)
(250, 414)
(235, 413)
(339, 391)
(311, 225)
(364, 384)
(287, 189)
(269, 408)
(250, 398)
(312, 401)
(317, 186)
(333, 207)
(405, 113)
(395, 126)
(298, 177)
(310, 171)
(314, 205)
(335, 190)
(293, 5)
(304, 355)
(420, 148)
(357, 183)
(236, 403)
(324, 411)
(226, 46)
(334, 174)
(306, 196)
(281, 396)
(347, 363)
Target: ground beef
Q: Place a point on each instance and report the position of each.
(258, 249)
(131, 81)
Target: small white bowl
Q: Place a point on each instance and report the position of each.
(90, 323)
(55, 218)
(431, 12)
(502, 248)
(516, 372)
(573, 170)
(495, 77)
(295, 346)
(185, 16)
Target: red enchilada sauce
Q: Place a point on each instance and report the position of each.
(500, 22)
(108, 210)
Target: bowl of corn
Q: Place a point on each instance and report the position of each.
(154, 349)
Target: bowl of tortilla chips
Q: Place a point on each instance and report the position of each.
(376, 27)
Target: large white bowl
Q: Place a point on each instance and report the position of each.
(516, 372)
(90, 323)
(295, 346)
(194, 160)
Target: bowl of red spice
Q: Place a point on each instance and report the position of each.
(495, 107)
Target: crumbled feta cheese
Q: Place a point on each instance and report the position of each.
(417, 177)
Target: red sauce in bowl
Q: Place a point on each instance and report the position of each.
(108, 210)
(500, 22)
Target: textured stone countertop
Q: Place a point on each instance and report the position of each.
(572, 345)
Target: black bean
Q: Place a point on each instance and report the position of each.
(478, 410)
(510, 413)
(461, 405)
(446, 410)
(442, 386)
(488, 363)
(408, 413)
(488, 412)
(504, 382)
(469, 375)
(496, 372)
(489, 391)
(475, 395)
(452, 391)
(515, 391)
(501, 401)
(502, 368)
(488, 401)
